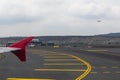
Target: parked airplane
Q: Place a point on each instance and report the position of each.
(18, 48)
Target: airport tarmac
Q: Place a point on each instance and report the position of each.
(62, 64)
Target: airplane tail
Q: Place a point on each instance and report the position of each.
(21, 54)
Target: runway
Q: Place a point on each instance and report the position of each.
(62, 64)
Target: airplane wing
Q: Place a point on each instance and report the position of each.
(8, 49)
(18, 48)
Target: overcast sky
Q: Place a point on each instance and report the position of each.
(58, 17)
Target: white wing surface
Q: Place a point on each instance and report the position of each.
(8, 49)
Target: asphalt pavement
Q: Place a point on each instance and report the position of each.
(62, 64)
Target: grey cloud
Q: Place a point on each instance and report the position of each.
(60, 17)
(18, 20)
(95, 9)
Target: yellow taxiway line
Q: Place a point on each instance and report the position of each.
(59, 60)
(67, 56)
(63, 64)
(97, 50)
(61, 70)
(27, 79)
(87, 71)
(51, 54)
(57, 57)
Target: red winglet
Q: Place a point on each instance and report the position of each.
(21, 54)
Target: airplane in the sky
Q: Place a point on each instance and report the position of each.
(18, 48)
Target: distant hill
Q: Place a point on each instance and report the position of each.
(64, 38)
(111, 35)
